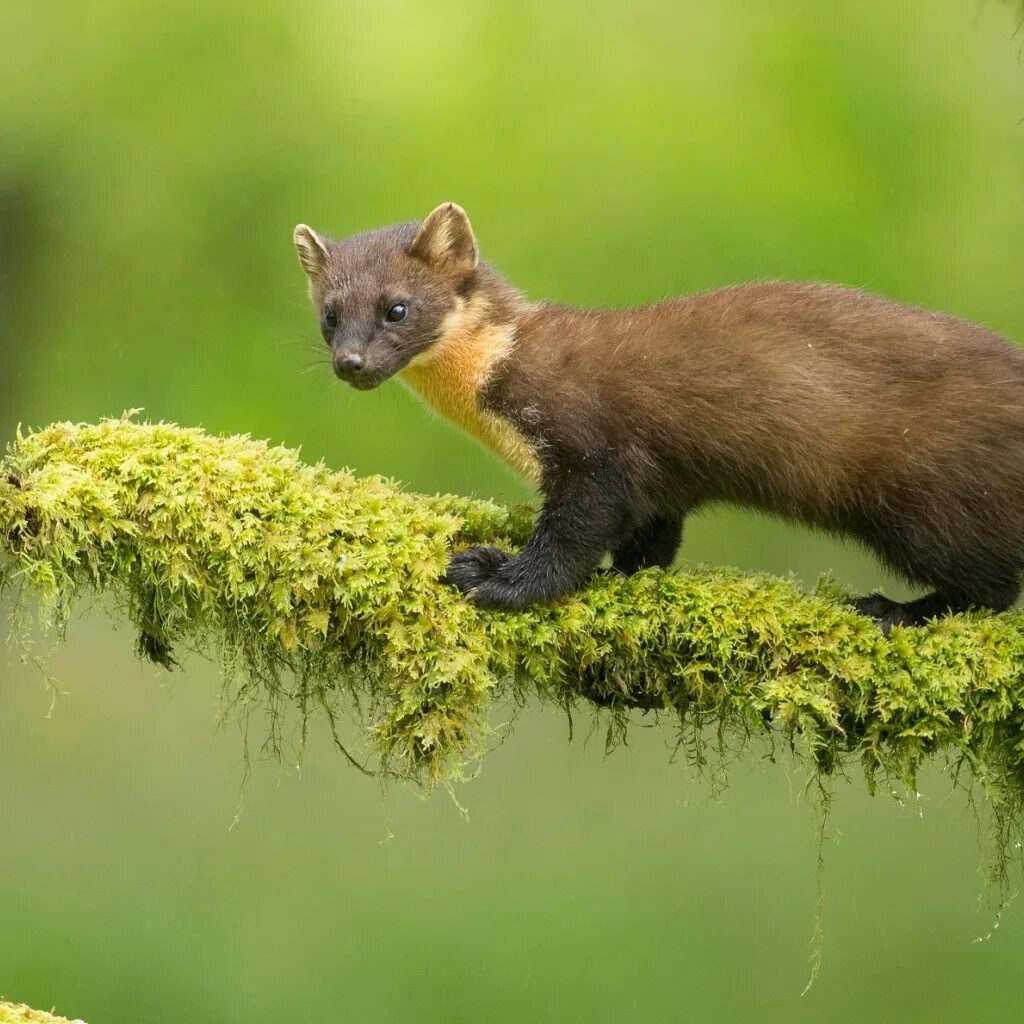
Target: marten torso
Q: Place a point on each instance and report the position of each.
(811, 401)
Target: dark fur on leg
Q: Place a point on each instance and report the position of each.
(887, 613)
(653, 544)
(576, 526)
(469, 568)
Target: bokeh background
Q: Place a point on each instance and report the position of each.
(153, 160)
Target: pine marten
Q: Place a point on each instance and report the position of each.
(866, 418)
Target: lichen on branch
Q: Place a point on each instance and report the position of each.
(320, 592)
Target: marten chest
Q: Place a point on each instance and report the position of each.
(449, 379)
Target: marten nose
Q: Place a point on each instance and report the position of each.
(348, 364)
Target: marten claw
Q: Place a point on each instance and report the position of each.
(473, 567)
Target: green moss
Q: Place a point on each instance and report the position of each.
(319, 593)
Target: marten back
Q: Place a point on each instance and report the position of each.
(822, 404)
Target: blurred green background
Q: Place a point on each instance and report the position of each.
(153, 160)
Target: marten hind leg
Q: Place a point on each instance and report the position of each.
(652, 545)
(996, 597)
(971, 561)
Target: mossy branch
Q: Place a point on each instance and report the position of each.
(18, 1013)
(320, 592)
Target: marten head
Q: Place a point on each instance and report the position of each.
(385, 297)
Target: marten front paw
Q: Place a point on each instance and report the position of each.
(470, 569)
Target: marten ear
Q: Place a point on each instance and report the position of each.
(311, 249)
(446, 240)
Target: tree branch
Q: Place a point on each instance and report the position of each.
(320, 592)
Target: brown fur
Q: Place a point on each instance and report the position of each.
(829, 406)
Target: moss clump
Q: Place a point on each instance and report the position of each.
(318, 591)
(18, 1013)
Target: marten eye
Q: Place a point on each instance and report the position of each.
(330, 318)
(396, 313)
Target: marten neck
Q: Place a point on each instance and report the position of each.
(449, 376)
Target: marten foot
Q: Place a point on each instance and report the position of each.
(888, 613)
(485, 575)
(468, 569)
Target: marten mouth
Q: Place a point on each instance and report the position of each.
(365, 383)
(360, 378)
